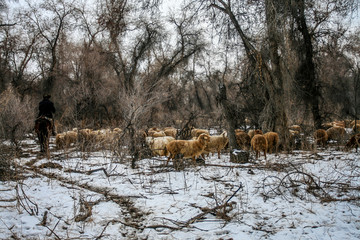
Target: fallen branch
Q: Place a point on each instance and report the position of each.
(92, 171)
(52, 230)
(13, 234)
(290, 181)
(214, 209)
(25, 202)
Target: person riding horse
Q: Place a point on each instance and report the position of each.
(46, 109)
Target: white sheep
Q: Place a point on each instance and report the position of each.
(216, 144)
(158, 145)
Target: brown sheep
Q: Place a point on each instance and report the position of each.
(107, 137)
(86, 136)
(155, 132)
(158, 134)
(196, 132)
(339, 124)
(111, 137)
(272, 139)
(354, 141)
(259, 143)
(321, 137)
(295, 128)
(170, 131)
(60, 140)
(188, 148)
(294, 133)
(243, 140)
(336, 133)
(252, 133)
(239, 131)
(327, 125)
(65, 139)
(216, 144)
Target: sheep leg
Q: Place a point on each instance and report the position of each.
(170, 157)
(194, 160)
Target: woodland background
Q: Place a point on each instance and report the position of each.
(139, 64)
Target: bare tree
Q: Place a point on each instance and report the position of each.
(273, 116)
(49, 19)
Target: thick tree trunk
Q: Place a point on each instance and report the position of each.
(274, 115)
(306, 74)
(228, 110)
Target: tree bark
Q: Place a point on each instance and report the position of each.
(228, 110)
(273, 116)
(306, 74)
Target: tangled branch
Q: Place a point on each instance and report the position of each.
(292, 182)
(24, 201)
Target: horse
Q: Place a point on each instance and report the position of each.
(43, 130)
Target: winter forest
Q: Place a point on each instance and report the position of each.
(134, 64)
(284, 66)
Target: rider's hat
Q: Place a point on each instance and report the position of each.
(47, 96)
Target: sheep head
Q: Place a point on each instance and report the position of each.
(204, 138)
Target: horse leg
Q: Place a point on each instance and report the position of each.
(40, 142)
(47, 150)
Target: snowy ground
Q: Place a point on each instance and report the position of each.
(303, 195)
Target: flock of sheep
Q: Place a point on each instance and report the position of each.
(87, 137)
(336, 131)
(164, 142)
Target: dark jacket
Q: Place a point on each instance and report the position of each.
(46, 108)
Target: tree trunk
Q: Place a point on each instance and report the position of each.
(228, 110)
(306, 74)
(274, 115)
